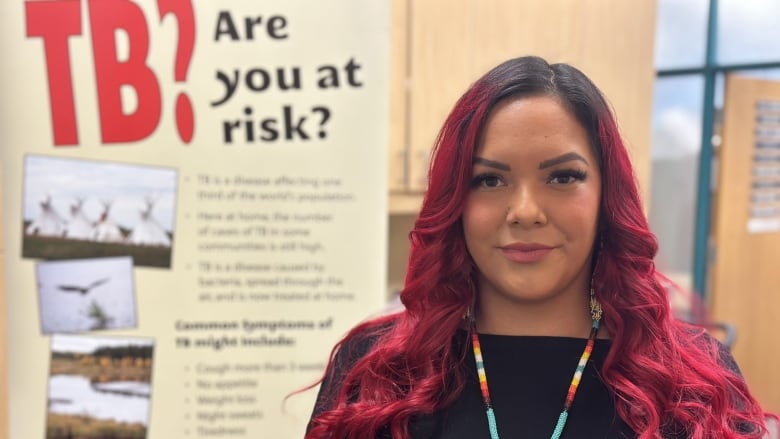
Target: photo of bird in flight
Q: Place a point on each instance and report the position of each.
(81, 295)
(82, 290)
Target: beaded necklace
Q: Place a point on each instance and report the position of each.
(575, 381)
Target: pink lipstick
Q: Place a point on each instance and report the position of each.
(526, 253)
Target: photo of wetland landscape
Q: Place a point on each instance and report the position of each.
(99, 387)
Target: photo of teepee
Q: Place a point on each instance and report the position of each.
(99, 387)
(86, 295)
(89, 209)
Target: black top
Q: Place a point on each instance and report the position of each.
(528, 378)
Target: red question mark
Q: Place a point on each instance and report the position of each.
(182, 10)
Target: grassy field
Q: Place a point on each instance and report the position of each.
(45, 247)
(84, 427)
(102, 369)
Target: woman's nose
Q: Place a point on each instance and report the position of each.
(525, 208)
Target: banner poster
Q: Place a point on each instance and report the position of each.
(195, 209)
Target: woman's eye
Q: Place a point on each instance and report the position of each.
(567, 176)
(564, 179)
(486, 181)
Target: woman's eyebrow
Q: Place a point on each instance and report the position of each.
(562, 159)
(492, 164)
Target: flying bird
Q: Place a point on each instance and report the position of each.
(82, 290)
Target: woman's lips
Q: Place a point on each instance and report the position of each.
(526, 253)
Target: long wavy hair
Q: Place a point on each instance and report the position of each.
(666, 375)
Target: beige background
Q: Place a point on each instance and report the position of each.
(3, 333)
(320, 33)
(441, 46)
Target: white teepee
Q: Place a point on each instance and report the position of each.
(148, 231)
(79, 227)
(49, 223)
(105, 229)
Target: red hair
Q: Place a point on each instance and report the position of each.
(667, 376)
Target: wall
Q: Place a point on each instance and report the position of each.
(3, 335)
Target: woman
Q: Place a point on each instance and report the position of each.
(532, 305)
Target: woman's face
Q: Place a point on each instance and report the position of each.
(531, 215)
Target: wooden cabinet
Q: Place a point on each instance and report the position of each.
(746, 231)
(397, 157)
(439, 47)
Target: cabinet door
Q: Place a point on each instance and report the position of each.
(452, 42)
(399, 41)
(746, 270)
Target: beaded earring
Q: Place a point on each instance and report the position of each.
(467, 314)
(595, 307)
